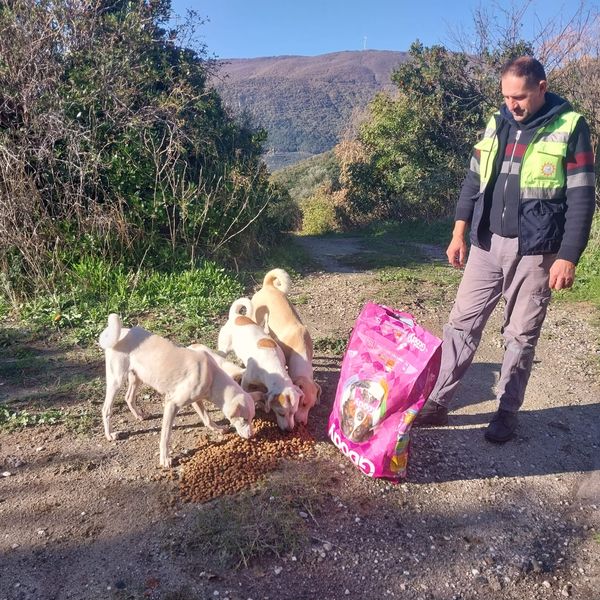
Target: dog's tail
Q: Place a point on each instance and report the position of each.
(110, 336)
(239, 305)
(279, 279)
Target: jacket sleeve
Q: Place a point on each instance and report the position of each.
(469, 191)
(580, 204)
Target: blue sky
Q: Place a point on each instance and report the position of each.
(250, 28)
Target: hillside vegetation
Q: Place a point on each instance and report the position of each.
(305, 103)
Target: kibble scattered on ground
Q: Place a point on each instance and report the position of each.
(233, 464)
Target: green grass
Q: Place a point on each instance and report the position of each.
(587, 277)
(81, 421)
(184, 301)
(331, 345)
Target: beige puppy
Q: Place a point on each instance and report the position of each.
(233, 370)
(184, 376)
(264, 360)
(271, 305)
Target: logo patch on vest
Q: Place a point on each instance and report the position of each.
(548, 169)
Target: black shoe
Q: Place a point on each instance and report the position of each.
(432, 413)
(502, 427)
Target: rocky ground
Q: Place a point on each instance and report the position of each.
(84, 518)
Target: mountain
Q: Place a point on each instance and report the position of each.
(304, 102)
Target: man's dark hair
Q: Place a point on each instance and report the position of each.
(525, 66)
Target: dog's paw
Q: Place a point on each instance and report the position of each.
(113, 436)
(165, 462)
(218, 428)
(140, 415)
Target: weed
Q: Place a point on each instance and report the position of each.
(15, 419)
(333, 345)
(301, 299)
(82, 421)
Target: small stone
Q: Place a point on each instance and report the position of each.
(474, 572)
(6, 474)
(303, 514)
(347, 592)
(536, 566)
(546, 583)
(327, 546)
(277, 570)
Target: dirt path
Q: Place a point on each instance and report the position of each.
(82, 518)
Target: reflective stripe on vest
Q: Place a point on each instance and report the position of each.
(542, 173)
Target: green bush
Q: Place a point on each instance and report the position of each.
(318, 215)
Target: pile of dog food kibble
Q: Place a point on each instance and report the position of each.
(233, 464)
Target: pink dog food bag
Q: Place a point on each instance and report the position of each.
(388, 371)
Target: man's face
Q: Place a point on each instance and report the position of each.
(522, 100)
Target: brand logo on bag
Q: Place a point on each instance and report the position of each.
(416, 342)
(364, 464)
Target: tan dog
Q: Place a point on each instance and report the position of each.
(182, 375)
(264, 360)
(271, 305)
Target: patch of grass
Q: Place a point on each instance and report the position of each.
(14, 369)
(300, 299)
(16, 419)
(186, 299)
(81, 421)
(332, 345)
(236, 531)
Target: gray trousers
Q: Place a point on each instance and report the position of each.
(488, 276)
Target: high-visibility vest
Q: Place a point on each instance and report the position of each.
(542, 173)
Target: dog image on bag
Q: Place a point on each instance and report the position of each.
(270, 305)
(182, 375)
(360, 410)
(264, 360)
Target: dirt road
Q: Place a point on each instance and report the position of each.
(83, 518)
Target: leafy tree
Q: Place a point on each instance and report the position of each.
(112, 142)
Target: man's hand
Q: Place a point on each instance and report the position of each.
(562, 274)
(457, 251)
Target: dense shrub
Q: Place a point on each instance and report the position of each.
(113, 145)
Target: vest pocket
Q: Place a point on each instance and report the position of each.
(542, 226)
(544, 167)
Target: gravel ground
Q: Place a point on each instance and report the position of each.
(83, 518)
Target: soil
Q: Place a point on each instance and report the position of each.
(84, 518)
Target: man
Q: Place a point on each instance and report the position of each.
(529, 199)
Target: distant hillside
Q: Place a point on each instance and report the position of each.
(305, 102)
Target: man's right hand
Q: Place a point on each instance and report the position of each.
(457, 251)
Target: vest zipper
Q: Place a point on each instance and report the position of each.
(510, 164)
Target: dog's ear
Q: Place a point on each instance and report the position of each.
(270, 399)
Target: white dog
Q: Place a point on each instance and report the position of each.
(264, 360)
(182, 375)
(270, 305)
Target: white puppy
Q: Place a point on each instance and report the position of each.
(270, 305)
(264, 360)
(184, 376)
